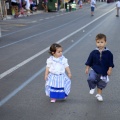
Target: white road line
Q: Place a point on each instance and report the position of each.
(32, 22)
(41, 52)
(8, 97)
(41, 19)
(47, 18)
(37, 34)
(22, 63)
(25, 28)
(52, 17)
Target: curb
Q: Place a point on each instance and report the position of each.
(8, 17)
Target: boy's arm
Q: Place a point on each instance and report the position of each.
(68, 72)
(111, 64)
(89, 63)
(46, 73)
(87, 69)
(109, 71)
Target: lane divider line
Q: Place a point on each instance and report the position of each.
(38, 34)
(12, 94)
(46, 49)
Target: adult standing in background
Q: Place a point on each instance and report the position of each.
(59, 3)
(15, 7)
(27, 6)
(44, 5)
(118, 7)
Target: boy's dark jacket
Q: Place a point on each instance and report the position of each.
(100, 63)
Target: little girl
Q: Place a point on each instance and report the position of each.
(58, 84)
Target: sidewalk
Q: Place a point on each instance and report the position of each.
(34, 13)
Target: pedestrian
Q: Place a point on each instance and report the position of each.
(59, 4)
(27, 7)
(45, 5)
(33, 6)
(15, 8)
(58, 84)
(80, 3)
(93, 5)
(100, 61)
(118, 7)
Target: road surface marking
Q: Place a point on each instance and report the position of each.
(12, 94)
(2, 75)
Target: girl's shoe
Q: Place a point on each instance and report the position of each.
(65, 98)
(99, 97)
(53, 100)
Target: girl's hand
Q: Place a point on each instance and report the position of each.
(69, 75)
(68, 72)
(45, 78)
(46, 73)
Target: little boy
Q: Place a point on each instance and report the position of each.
(100, 61)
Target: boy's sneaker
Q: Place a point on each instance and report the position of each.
(92, 91)
(53, 100)
(99, 97)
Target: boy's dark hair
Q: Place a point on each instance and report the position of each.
(53, 48)
(100, 36)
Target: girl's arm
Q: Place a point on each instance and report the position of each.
(46, 73)
(68, 72)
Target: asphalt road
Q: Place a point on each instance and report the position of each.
(23, 52)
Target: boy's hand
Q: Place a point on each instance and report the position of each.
(87, 69)
(109, 71)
